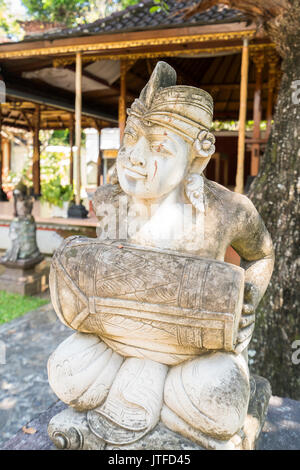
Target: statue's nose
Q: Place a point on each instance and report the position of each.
(137, 155)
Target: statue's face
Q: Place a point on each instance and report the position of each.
(152, 161)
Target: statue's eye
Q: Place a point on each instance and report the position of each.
(159, 148)
(129, 138)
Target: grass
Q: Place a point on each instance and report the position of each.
(15, 305)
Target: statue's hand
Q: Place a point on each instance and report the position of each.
(247, 322)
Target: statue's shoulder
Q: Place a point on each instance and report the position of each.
(107, 194)
(230, 201)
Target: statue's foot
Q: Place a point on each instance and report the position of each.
(132, 407)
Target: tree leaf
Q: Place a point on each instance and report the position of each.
(28, 430)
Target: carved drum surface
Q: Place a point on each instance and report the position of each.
(143, 302)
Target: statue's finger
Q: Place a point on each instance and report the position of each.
(241, 346)
(246, 321)
(248, 309)
(245, 333)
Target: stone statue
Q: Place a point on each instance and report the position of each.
(163, 323)
(22, 233)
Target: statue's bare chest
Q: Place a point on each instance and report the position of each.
(179, 228)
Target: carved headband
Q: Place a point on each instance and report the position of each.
(194, 132)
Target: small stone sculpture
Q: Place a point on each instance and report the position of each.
(159, 358)
(25, 271)
(22, 233)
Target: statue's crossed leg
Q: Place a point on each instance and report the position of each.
(204, 399)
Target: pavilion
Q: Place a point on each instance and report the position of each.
(87, 76)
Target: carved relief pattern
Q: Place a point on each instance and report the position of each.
(156, 300)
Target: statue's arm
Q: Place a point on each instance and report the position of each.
(254, 245)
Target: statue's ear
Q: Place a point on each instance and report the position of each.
(199, 164)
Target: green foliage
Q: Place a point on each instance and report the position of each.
(54, 164)
(234, 125)
(160, 6)
(59, 137)
(61, 11)
(15, 305)
(67, 12)
(53, 172)
(55, 193)
(9, 26)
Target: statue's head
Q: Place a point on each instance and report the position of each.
(23, 203)
(166, 136)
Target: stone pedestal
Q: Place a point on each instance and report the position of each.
(70, 429)
(25, 278)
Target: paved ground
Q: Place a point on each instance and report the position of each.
(24, 389)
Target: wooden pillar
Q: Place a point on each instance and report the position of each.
(239, 182)
(273, 61)
(78, 107)
(36, 172)
(6, 157)
(122, 98)
(1, 149)
(99, 161)
(71, 143)
(258, 60)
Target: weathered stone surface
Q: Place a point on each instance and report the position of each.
(71, 429)
(281, 431)
(158, 293)
(25, 272)
(25, 280)
(193, 304)
(22, 232)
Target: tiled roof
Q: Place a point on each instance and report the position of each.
(138, 18)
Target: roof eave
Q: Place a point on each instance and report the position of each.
(127, 40)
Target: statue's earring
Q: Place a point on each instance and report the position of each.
(204, 144)
(194, 189)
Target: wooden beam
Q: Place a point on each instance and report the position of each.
(29, 123)
(99, 161)
(258, 60)
(53, 99)
(78, 107)
(239, 182)
(36, 172)
(99, 80)
(122, 98)
(126, 40)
